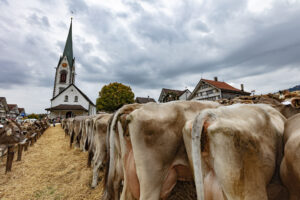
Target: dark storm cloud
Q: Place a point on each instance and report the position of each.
(4, 2)
(77, 6)
(12, 72)
(41, 21)
(199, 25)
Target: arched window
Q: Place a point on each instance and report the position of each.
(76, 99)
(63, 76)
(66, 98)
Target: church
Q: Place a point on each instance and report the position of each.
(67, 99)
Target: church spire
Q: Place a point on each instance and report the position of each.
(68, 51)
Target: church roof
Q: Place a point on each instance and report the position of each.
(78, 91)
(67, 107)
(68, 50)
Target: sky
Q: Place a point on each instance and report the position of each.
(147, 45)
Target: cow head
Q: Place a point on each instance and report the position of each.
(10, 134)
(295, 102)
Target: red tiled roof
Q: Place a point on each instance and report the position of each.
(11, 106)
(67, 107)
(221, 85)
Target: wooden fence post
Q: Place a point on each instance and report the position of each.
(26, 145)
(10, 158)
(20, 149)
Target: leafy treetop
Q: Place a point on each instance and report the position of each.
(114, 96)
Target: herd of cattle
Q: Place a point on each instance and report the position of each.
(16, 137)
(247, 149)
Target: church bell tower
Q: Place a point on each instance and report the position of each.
(65, 70)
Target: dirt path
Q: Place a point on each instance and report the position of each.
(49, 170)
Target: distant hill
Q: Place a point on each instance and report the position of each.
(297, 87)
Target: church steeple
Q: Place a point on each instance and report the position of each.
(68, 51)
(65, 70)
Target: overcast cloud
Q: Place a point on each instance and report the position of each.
(148, 45)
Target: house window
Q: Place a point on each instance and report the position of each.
(76, 99)
(63, 76)
(209, 92)
(66, 98)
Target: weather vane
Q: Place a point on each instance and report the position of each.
(72, 12)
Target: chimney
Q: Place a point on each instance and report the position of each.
(242, 87)
(216, 78)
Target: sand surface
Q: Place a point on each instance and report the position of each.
(49, 170)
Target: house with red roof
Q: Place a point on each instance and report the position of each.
(214, 90)
(13, 111)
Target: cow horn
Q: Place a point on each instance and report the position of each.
(295, 102)
(196, 155)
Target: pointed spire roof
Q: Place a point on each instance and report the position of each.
(68, 51)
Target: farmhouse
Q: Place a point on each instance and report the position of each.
(144, 100)
(167, 95)
(214, 90)
(13, 111)
(4, 110)
(68, 100)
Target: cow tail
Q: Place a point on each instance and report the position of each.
(196, 155)
(110, 168)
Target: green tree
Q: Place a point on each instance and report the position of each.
(33, 116)
(114, 96)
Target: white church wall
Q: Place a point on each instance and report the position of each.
(71, 92)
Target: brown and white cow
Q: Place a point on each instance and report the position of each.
(98, 145)
(155, 158)
(290, 166)
(87, 130)
(77, 129)
(11, 133)
(234, 151)
(114, 170)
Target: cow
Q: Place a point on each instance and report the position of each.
(155, 157)
(10, 133)
(114, 168)
(88, 132)
(234, 150)
(77, 131)
(98, 145)
(290, 166)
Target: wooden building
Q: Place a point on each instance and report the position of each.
(167, 95)
(4, 110)
(214, 90)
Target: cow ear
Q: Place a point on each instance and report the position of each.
(295, 102)
(9, 132)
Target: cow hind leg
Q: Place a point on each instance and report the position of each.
(71, 140)
(96, 174)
